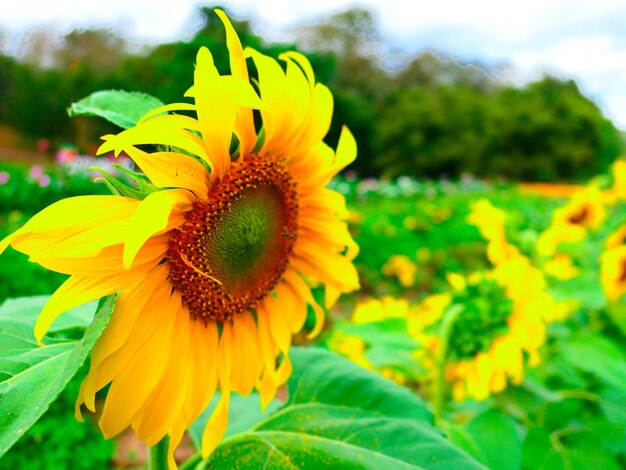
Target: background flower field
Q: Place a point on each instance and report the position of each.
(567, 411)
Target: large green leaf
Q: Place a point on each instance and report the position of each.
(32, 376)
(243, 414)
(497, 440)
(122, 108)
(324, 377)
(599, 357)
(27, 310)
(341, 416)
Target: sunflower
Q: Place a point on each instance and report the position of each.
(498, 330)
(613, 272)
(585, 209)
(214, 261)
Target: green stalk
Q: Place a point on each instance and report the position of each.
(157, 459)
(439, 385)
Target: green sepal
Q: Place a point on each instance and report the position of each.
(117, 188)
(260, 140)
(139, 178)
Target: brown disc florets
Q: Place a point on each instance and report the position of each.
(234, 247)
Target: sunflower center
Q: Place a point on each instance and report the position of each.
(234, 247)
(580, 216)
(484, 318)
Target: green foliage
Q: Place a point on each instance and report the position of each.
(341, 416)
(58, 441)
(122, 108)
(545, 131)
(32, 376)
(432, 117)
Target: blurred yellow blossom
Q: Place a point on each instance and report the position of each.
(349, 346)
(616, 238)
(619, 179)
(613, 272)
(561, 267)
(403, 268)
(371, 310)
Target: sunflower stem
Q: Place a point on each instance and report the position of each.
(157, 459)
(439, 385)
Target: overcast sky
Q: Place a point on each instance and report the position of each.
(584, 40)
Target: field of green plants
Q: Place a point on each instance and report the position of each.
(500, 309)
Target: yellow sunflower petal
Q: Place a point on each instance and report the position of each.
(78, 290)
(172, 170)
(303, 62)
(129, 391)
(165, 404)
(127, 330)
(244, 124)
(152, 217)
(216, 425)
(85, 223)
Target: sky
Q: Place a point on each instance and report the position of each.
(583, 40)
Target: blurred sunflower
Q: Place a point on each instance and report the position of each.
(613, 272)
(585, 209)
(490, 221)
(497, 331)
(212, 263)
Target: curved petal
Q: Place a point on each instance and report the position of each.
(216, 425)
(78, 290)
(153, 216)
(303, 62)
(131, 388)
(172, 170)
(130, 326)
(244, 124)
(76, 226)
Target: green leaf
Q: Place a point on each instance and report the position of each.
(597, 356)
(27, 309)
(243, 414)
(325, 377)
(497, 439)
(341, 416)
(32, 376)
(122, 108)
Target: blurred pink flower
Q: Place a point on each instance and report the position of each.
(4, 177)
(36, 171)
(44, 181)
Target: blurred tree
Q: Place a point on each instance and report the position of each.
(98, 49)
(434, 116)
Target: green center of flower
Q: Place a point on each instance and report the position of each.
(247, 238)
(484, 318)
(235, 246)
